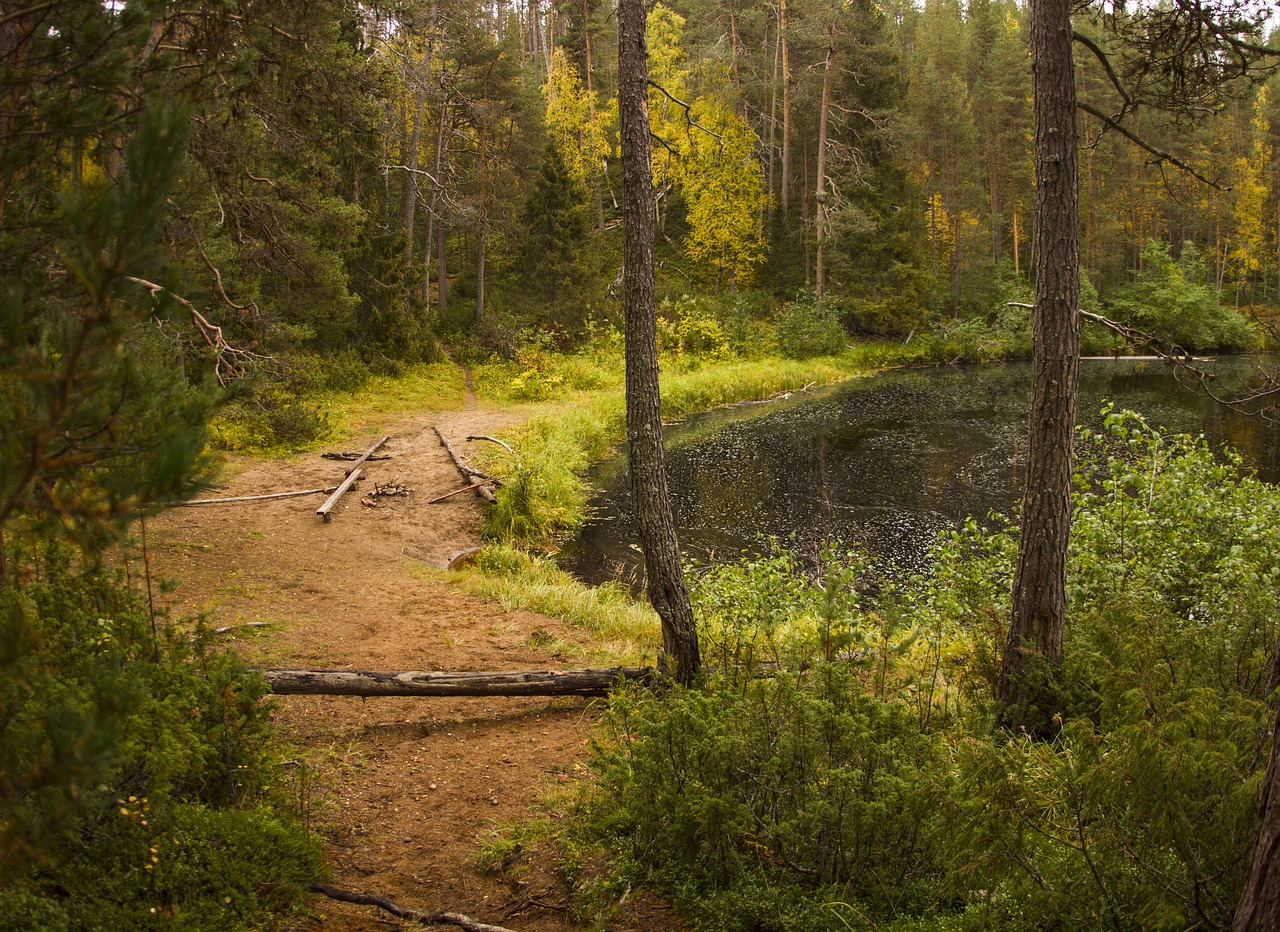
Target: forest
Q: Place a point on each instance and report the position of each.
(243, 228)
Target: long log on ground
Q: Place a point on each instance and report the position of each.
(323, 510)
(356, 464)
(467, 472)
(256, 498)
(416, 683)
(405, 912)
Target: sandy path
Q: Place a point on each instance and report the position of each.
(404, 791)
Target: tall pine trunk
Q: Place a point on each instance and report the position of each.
(664, 576)
(820, 196)
(1259, 907)
(786, 111)
(1033, 650)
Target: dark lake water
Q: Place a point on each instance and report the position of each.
(884, 462)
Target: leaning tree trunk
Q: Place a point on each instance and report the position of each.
(651, 503)
(1259, 908)
(1033, 650)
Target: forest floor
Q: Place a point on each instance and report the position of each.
(405, 792)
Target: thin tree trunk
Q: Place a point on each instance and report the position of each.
(664, 576)
(442, 271)
(1259, 907)
(820, 195)
(804, 211)
(1034, 646)
(733, 45)
(786, 110)
(481, 231)
(773, 123)
(409, 198)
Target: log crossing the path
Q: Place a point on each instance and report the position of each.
(358, 462)
(468, 474)
(417, 683)
(323, 510)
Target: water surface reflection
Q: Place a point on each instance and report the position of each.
(885, 462)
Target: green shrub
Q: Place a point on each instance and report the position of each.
(807, 327)
(130, 749)
(1172, 300)
(839, 769)
(798, 784)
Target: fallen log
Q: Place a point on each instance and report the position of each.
(323, 510)
(350, 457)
(255, 498)
(468, 473)
(405, 912)
(367, 453)
(417, 683)
(465, 488)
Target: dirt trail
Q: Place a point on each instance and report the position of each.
(404, 791)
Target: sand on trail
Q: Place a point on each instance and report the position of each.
(404, 791)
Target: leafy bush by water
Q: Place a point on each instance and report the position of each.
(1172, 300)
(857, 784)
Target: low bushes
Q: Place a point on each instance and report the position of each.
(855, 781)
(140, 783)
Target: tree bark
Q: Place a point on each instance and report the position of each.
(785, 191)
(1033, 650)
(664, 576)
(1259, 908)
(483, 229)
(821, 194)
(409, 194)
(418, 683)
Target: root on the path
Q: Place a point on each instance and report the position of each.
(404, 912)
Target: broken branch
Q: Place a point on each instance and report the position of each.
(465, 488)
(467, 472)
(254, 498)
(404, 912)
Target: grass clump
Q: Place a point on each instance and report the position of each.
(626, 630)
(838, 768)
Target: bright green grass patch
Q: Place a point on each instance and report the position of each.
(626, 631)
(545, 494)
(384, 400)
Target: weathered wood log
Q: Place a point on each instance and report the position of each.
(501, 443)
(417, 683)
(465, 488)
(468, 473)
(350, 457)
(405, 912)
(323, 510)
(367, 453)
(256, 498)
(227, 629)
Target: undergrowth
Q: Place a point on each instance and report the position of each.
(141, 785)
(838, 767)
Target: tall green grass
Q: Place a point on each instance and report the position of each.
(625, 631)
